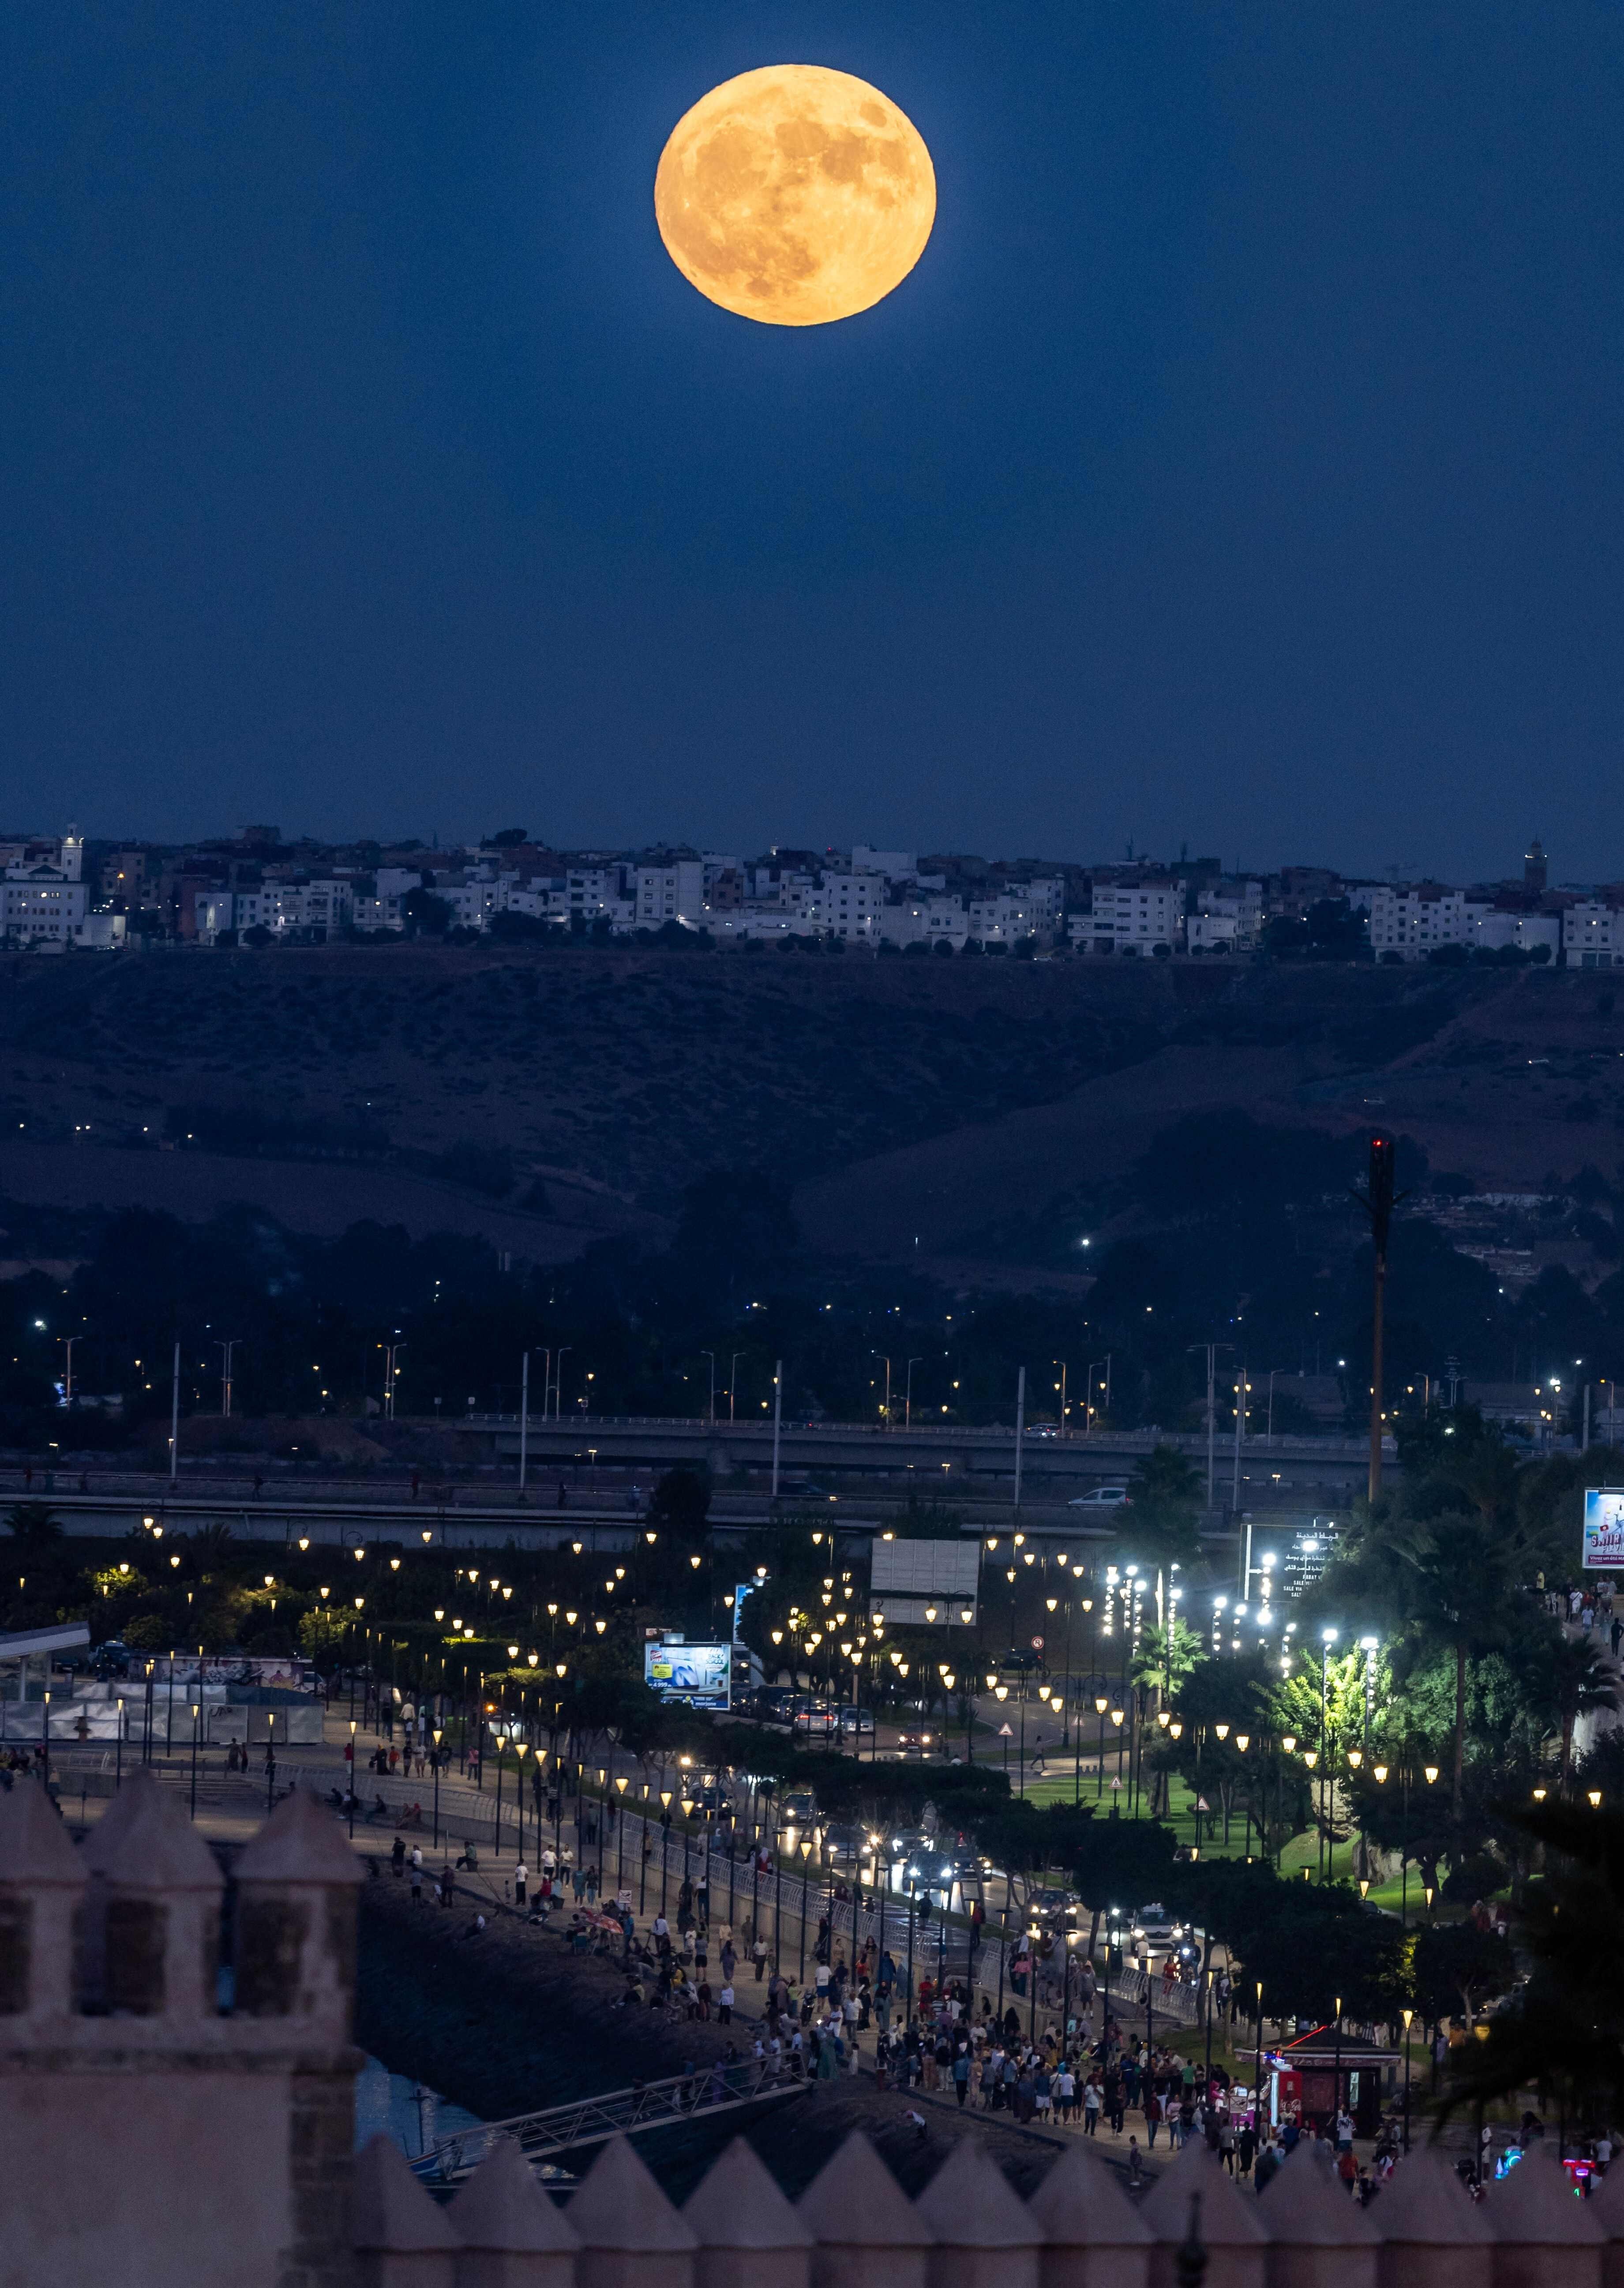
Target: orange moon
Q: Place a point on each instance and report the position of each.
(794, 196)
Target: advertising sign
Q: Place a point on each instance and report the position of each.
(1604, 1531)
(701, 1675)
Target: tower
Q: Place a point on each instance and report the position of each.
(1533, 868)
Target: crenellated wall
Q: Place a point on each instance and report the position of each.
(148, 2138)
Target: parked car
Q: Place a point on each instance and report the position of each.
(1100, 1497)
(857, 1722)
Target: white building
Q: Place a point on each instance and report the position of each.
(44, 900)
(1490, 928)
(1133, 916)
(672, 893)
(305, 913)
(848, 905)
(1593, 935)
(1407, 923)
(1228, 917)
(931, 920)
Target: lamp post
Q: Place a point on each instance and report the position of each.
(196, 1719)
(270, 1760)
(521, 1749)
(620, 1832)
(439, 1735)
(1407, 2016)
(1257, 2066)
(351, 1783)
(805, 1855)
(1100, 1705)
(118, 1776)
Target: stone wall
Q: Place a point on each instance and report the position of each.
(151, 2137)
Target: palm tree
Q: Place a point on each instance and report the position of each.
(1583, 1682)
(32, 1524)
(1164, 1501)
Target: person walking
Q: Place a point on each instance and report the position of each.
(521, 1877)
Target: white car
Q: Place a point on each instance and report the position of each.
(1101, 1497)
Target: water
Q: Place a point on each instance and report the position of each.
(414, 2116)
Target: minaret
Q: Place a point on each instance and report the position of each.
(1534, 867)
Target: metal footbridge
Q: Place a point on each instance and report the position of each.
(543, 2137)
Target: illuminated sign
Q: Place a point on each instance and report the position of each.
(701, 1675)
(1604, 1528)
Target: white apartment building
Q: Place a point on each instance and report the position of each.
(932, 920)
(895, 865)
(1228, 917)
(603, 894)
(38, 907)
(309, 913)
(1490, 928)
(670, 894)
(1406, 924)
(1133, 918)
(1593, 935)
(848, 905)
(383, 907)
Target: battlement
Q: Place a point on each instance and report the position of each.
(156, 2135)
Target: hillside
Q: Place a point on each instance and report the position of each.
(908, 1100)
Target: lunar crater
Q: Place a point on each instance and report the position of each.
(794, 196)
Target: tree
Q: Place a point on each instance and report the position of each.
(425, 914)
(1583, 1682)
(32, 1527)
(1454, 1965)
(1166, 1657)
(1562, 2031)
(1164, 1497)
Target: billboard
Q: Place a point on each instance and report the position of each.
(701, 1675)
(1603, 1530)
(910, 1578)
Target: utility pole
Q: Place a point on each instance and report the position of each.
(1212, 1418)
(68, 1386)
(778, 1412)
(907, 1403)
(710, 1417)
(558, 1381)
(226, 1350)
(175, 1419)
(524, 1418)
(1585, 1447)
(1240, 1416)
(733, 1382)
(1020, 1426)
(1378, 1201)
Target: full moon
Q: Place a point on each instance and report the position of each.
(794, 196)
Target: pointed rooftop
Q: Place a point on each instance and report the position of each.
(1424, 2204)
(391, 2210)
(300, 1843)
(501, 2209)
(1308, 2206)
(1535, 2203)
(738, 2205)
(36, 1847)
(971, 2204)
(1081, 2204)
(145, 1842)
(854, 2201)
(620, 2206)
(1228, 2220)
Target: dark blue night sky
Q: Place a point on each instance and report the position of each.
(1240, 466)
